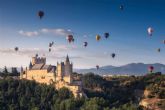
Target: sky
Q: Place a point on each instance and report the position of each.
(84, 19)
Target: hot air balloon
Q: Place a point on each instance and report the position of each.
(70, 38)
(106, 35)
(73, 40)
(16, 49)
(50, 44)
(41, 14)
(85, 44)
(150, 69)
(158, 49)
(150, 31)
(113, 55)
(163, 41)
(49, 49)
(121, 7)
(98, 37)
(97, 67)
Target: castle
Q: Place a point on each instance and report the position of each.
(60, 75)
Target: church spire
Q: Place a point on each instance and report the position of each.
(67, 58)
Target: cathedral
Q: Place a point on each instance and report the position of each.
(60, 75)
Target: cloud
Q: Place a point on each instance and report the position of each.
(57, 52)
(28, 34)
(61, 32)
(58, 31)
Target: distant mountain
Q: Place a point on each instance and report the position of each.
(130, 69)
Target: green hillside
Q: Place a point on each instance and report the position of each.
(108, 93)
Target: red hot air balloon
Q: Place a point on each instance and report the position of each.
(41, 14)
(150, 69)
(70, 38)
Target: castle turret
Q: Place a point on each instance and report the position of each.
(30, 65)
(38, 60)
(21, 73)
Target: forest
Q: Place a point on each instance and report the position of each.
(103, 93)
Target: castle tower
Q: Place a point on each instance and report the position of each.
(21, 73)
(64, 71)
(68, 67)
(34, 60)
(60, 71)
(68, 70)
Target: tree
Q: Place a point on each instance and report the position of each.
(5, 70)
(64, 93)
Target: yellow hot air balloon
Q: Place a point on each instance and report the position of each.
(98, 37)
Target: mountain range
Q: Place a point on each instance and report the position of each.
(128, 69)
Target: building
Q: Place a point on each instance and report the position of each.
(60, 75)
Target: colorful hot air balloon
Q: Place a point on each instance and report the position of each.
(98, 37)
(106, 35)
(150, 69)
(113, 55)
(150, 31)
(85, 44)
(97, 67)
(70, 38)
(16, 49)
(41, 14)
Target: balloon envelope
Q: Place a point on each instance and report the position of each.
(121, 7)
(150, 68)
(16, 48)
(49, 49)
(113, 55)
(106, 35)
(85, 44)
(40, 14)
(150, 31)
(97, 67)
(158, 49)
(98, 37)
(70, 38)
